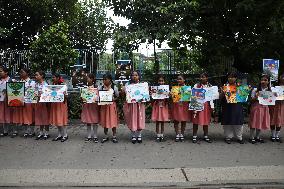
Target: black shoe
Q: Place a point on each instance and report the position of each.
(273, 139)
(139, 139)
(45, 137)
(252, 141)
(208, 140)
(26, 135)
(181, 138)
(194, 140)
(162, 139)
(14, 135)
(105, 140)
(228, 140)
(57, 138)
(88, 139)
(31, 135)
(241, 141)
(114, 140)
(133, 140)
(39, 137)
(158, 139)
(260, 140)
(96, 140)
(64, 139)
(177, 139)
(278, 139)
(3, 134)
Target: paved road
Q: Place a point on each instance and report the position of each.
(79, 163)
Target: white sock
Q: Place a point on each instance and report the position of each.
(257, 133)
(138, 133)
(158, 135)
(161, 135)
(89, 131)
(273, 132)
(64, 131)
(95, 130)
(133, 133)
(196, 136)
(277, 134)
(59, 131)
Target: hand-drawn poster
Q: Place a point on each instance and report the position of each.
(2, 92)
(160, 92)
(198, 93)
(16, 94)
(185, 93)
(175, 93)
(230, 93)
(31, 95)
(211, 93)
(271, 66)
(137, 93)
(106, 97)
(89, 95)
(197, 99)
(280, 92)
(243, 92)
(53, 93)
(266, 98)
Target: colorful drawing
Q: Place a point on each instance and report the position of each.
(279, 90)
(16, 94)
(211, 93)
(198, 93)
(243, 92)
(106, 97)
(196, 104)
(230, 93)
(175, 93)
(185, 93)
(266, 98)
(137, 93)
(160, 92)
(271, 66)
(53, 93)
(31, 95)
(89, 95)
(2, 92)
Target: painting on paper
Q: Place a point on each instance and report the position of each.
(243, 92)
(16, 94)
(31, 95)
(2, 92)
(137, 93)
(53, 93)
(175, 93)
(266, 98)
(89, 94)
(106, 97)
(211, 93)
(196, 104)
(230, 93)
(271, 66)
(279, 90)
(198, 93)
(185, 93)
(160, 92)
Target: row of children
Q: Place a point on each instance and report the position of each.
(44, 114)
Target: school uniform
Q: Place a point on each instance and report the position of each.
(41, 108)
(160, 110)
(5, 111)
(90, 113)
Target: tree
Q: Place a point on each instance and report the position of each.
(53, 49)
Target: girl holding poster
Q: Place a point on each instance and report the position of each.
(27, 112)
(180, 112)
(108, 112)
(203, 117)
(160, 112)
(5, 111)
(277, 115)
(59, 112)
(232, 112)
(134, 113)
(259, 114)
(40, 108)
(90, 112)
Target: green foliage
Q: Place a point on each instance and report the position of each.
(53, 50)
(74, 106)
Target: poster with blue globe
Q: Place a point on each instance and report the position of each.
(271, 67)
(137, 93)
(53, 93)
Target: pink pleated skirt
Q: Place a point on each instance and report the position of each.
(90, 113)
(277, 113)
(259, 116)
(5, 113)
(108, 116)
(203, 117)
(28, 114)
(134, 114)
(58, 114)
(160, 111)
(180, 111)
(41, 115)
